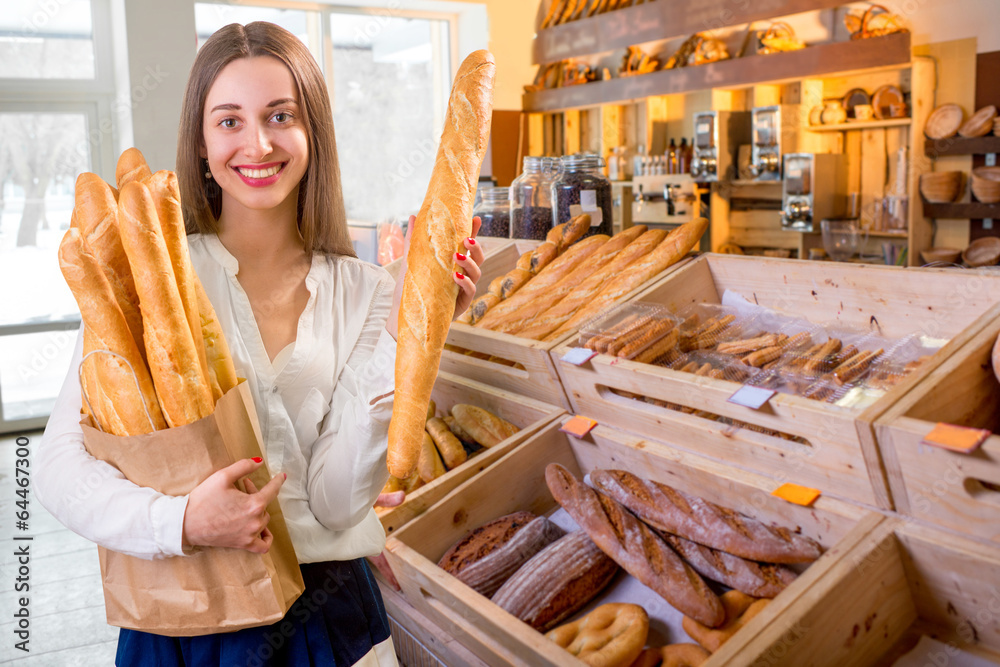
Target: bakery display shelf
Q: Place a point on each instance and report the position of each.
(838, 58)
(901, 583)
(526, 413)
(861, 125)
(952, 490)
(962, 146)
(962, 211)
(519, 365)
(835, 447)
(654, 22)
(517, 482)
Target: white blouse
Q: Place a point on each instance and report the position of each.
(324, 407)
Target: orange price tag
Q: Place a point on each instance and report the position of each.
(578, 426)
(800, 495)
(956, 438)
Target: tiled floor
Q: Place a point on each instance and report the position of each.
(65, 602)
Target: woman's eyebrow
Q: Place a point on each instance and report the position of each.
(230, 106)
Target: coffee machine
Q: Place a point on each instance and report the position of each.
(717, 139)
(773, 130)
(814, 188)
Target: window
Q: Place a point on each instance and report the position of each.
(55, 89)
(389, 75)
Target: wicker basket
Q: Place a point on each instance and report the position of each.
(986, 184)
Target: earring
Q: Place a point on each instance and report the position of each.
(208, 171)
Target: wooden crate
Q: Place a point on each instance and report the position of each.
(900, 582)
(839, 455)
(537, 376)
(517, 482)
(953, 490)
(418, 642)
(527, 413)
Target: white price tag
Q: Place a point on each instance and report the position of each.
(588, 205)
(751, 397)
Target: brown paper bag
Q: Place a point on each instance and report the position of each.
(215, 589)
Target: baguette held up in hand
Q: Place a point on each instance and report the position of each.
(427, 305)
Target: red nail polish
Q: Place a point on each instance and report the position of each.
(285, 474)
(257, 459)
(460, 256)
(459, 275)
(472, 241)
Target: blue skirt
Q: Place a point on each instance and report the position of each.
(335, 622)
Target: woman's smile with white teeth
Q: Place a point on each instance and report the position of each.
(260, 173)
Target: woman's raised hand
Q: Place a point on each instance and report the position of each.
(219, 514)
(470, 273)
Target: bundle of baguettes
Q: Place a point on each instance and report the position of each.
(154, 354)
(588, 278)
(427, 305)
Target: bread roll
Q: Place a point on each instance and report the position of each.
(740, 610)
(95, 214)
(452, 452)
(429, 464)
(131, 167)
(121, 406)
(611, 635)
(523, 316)
(634, 546)
(181, 388)
(698, 520)
(549, 320)
(429, 290)
(673, 248)
(167, 197)
(486, 428)
(549, 276)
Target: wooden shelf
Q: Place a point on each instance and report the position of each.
(823, 59)
(962, 146)
(655, 21)
(963, 211)
(861, 125)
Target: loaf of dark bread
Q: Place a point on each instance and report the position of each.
(485, 558)
(556, 582)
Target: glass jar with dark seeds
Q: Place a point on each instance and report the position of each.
(582, 188)
(493, 209)
(531, 198)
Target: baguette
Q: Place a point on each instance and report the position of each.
(549, 276)
(569, 232)
(182, 389)
(542, 256)
(698, 520)
(460, 433)
(167, 197)
(551, 319)
(634, 546)
(761, 580)
(524, 261)
(221, 371)
(523, 316)
(556, 582)
(95, 214)
(452, 452)
(673, 248)
(512, 281)
(480, 306)
(131, 167)
(118, 405)
(427, 305)
(486, 428)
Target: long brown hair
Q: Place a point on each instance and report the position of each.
(321, 216)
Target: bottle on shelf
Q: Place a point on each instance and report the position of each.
(612, 165)
(689, 154)
(639, 161)
(672, 161)
(683, 157)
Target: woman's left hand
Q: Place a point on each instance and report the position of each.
(466, 277)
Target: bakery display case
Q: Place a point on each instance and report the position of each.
(517, 483)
